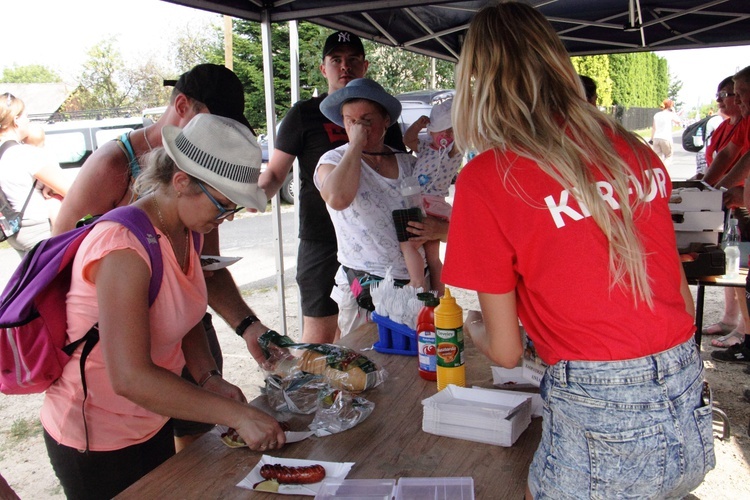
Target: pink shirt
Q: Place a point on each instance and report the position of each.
(115, 422)
(514, 228)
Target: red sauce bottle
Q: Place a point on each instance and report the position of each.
(426, 347)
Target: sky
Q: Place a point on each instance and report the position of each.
(58, 34)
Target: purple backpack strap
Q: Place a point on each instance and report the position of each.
(140, 225)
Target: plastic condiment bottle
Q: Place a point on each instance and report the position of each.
(426, 337)
(449, 335)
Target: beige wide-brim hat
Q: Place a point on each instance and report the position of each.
(221, 152)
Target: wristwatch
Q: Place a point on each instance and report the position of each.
(245, 323)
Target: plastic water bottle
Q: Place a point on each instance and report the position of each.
(412, 192)
(426, 347)
(731, 244)
(449, 335)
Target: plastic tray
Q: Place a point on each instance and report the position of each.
(395, 338)
(435, 488)
(357, 489)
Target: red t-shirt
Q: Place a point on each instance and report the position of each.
(720, 138)
(741, 136)
(515, 228)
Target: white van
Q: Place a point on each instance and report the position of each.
(74, 141)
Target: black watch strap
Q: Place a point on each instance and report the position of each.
(245, 323)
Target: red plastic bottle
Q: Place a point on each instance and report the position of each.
(426, 348)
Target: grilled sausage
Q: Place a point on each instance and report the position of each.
(293, 475)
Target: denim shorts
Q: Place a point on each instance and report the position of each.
(639, 428)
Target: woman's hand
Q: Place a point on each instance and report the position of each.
(358, 133)
(431, 228)
(220, 386)
(260, 431)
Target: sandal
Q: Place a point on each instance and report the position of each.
(719, 328)
(728, 340)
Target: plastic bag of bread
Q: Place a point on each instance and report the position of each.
(341, 367)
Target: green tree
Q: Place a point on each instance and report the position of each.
(102, 77)
(32, 73)
(145, 85)
(675, 85)
(597, 68)
(196, 46)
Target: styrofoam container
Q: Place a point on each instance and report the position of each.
(685, 238)
(435, 488)
(694, 196)
(356, 489)
(481, 415)
(699, 221)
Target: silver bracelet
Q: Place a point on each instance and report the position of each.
(205, 378)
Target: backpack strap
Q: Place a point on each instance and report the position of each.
(7, 144)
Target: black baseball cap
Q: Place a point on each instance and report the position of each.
(217, 87)
(343, 38)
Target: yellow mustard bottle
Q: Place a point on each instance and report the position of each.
(449, 337)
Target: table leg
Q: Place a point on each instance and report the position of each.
(699, 315)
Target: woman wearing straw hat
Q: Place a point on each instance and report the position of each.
(562, 221)
(360, 183)
(203, 175)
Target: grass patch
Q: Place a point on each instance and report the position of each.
(22, 429)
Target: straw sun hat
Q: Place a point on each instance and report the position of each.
(222, 153)
(359, 88)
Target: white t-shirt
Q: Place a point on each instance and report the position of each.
(663, 121)
(365, 231)
(435, 169)
(18, 166)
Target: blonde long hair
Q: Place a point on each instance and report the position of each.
(517, 91)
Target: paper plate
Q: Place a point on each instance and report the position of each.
(336, 470)
(216, 262)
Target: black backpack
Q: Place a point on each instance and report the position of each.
(694, 136)
(10, 220)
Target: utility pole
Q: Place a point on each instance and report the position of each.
(228, 42)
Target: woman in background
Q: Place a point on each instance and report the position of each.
(577, 241)
(21, 166)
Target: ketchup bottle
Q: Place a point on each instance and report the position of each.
(426, 337)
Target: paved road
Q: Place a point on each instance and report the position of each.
(251, 237)
(248, 236)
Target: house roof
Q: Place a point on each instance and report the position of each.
(436, 27)
(39, 98)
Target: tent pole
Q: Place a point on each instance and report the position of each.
(265, 29)
(294, 77)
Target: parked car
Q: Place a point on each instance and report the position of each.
(287, 189)
(418, 103)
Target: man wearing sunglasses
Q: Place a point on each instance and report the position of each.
(104, 183)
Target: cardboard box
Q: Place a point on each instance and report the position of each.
(481, 415)
(698, 221)
(694, 196)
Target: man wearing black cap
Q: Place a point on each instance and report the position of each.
(104, 183)
(306, 134)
